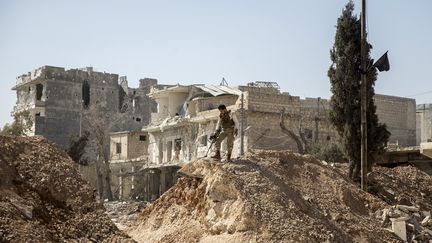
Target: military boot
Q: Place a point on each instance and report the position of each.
(216, 156)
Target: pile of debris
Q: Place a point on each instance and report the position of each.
(44, 199)
(409, 192)
(408, 222)
(405, 185)
(267, 197)
(123, 213)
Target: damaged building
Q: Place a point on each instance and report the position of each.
(132, 176)
(57, 100)
(187, 116)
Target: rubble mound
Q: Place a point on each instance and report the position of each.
(123, 213)
(44, 199)
(408, 192)
(268, 196)
(405, 185)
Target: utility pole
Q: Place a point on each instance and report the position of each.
(242, 125)
(364, 152)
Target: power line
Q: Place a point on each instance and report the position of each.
(422, 93)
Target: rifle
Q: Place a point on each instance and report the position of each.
(212, 140)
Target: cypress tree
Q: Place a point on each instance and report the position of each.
(345, 79)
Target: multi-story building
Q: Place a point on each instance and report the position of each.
(58, 98)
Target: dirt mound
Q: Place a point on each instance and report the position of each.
(267, 197)
(44, 199)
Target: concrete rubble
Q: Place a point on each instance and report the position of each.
(124, 213)
(408, 222)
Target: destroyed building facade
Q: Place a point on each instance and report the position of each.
(128, 154)
(57, 99)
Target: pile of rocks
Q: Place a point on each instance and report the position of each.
(124, 213)
(408, 222)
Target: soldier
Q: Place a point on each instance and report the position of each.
(225, 128)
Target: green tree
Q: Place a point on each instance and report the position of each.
(345, 79)
(21, 126)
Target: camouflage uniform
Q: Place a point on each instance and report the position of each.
(226, 129)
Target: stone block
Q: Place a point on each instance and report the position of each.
(399, 228)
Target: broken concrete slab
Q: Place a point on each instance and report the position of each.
(399, 228)
(425, 221)
(407, 209)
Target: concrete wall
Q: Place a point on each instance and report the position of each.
(210, 103)
(424, 123)
(399, 115)
(136, 146)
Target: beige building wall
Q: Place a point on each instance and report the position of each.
(400, 116)
(119, 146)
(424, 123)
(137, 144)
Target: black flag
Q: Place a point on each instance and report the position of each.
(383, 63)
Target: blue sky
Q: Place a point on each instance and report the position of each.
(187, 41)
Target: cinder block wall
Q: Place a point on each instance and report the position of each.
(400, 116)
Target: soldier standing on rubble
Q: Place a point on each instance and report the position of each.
(225, 128)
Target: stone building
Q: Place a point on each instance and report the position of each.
(58, 98)
(424, 123)
(63, 104)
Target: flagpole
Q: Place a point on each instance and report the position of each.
(363, 99)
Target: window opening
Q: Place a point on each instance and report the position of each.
(118, 148)
(39, 89)
(86, 94)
